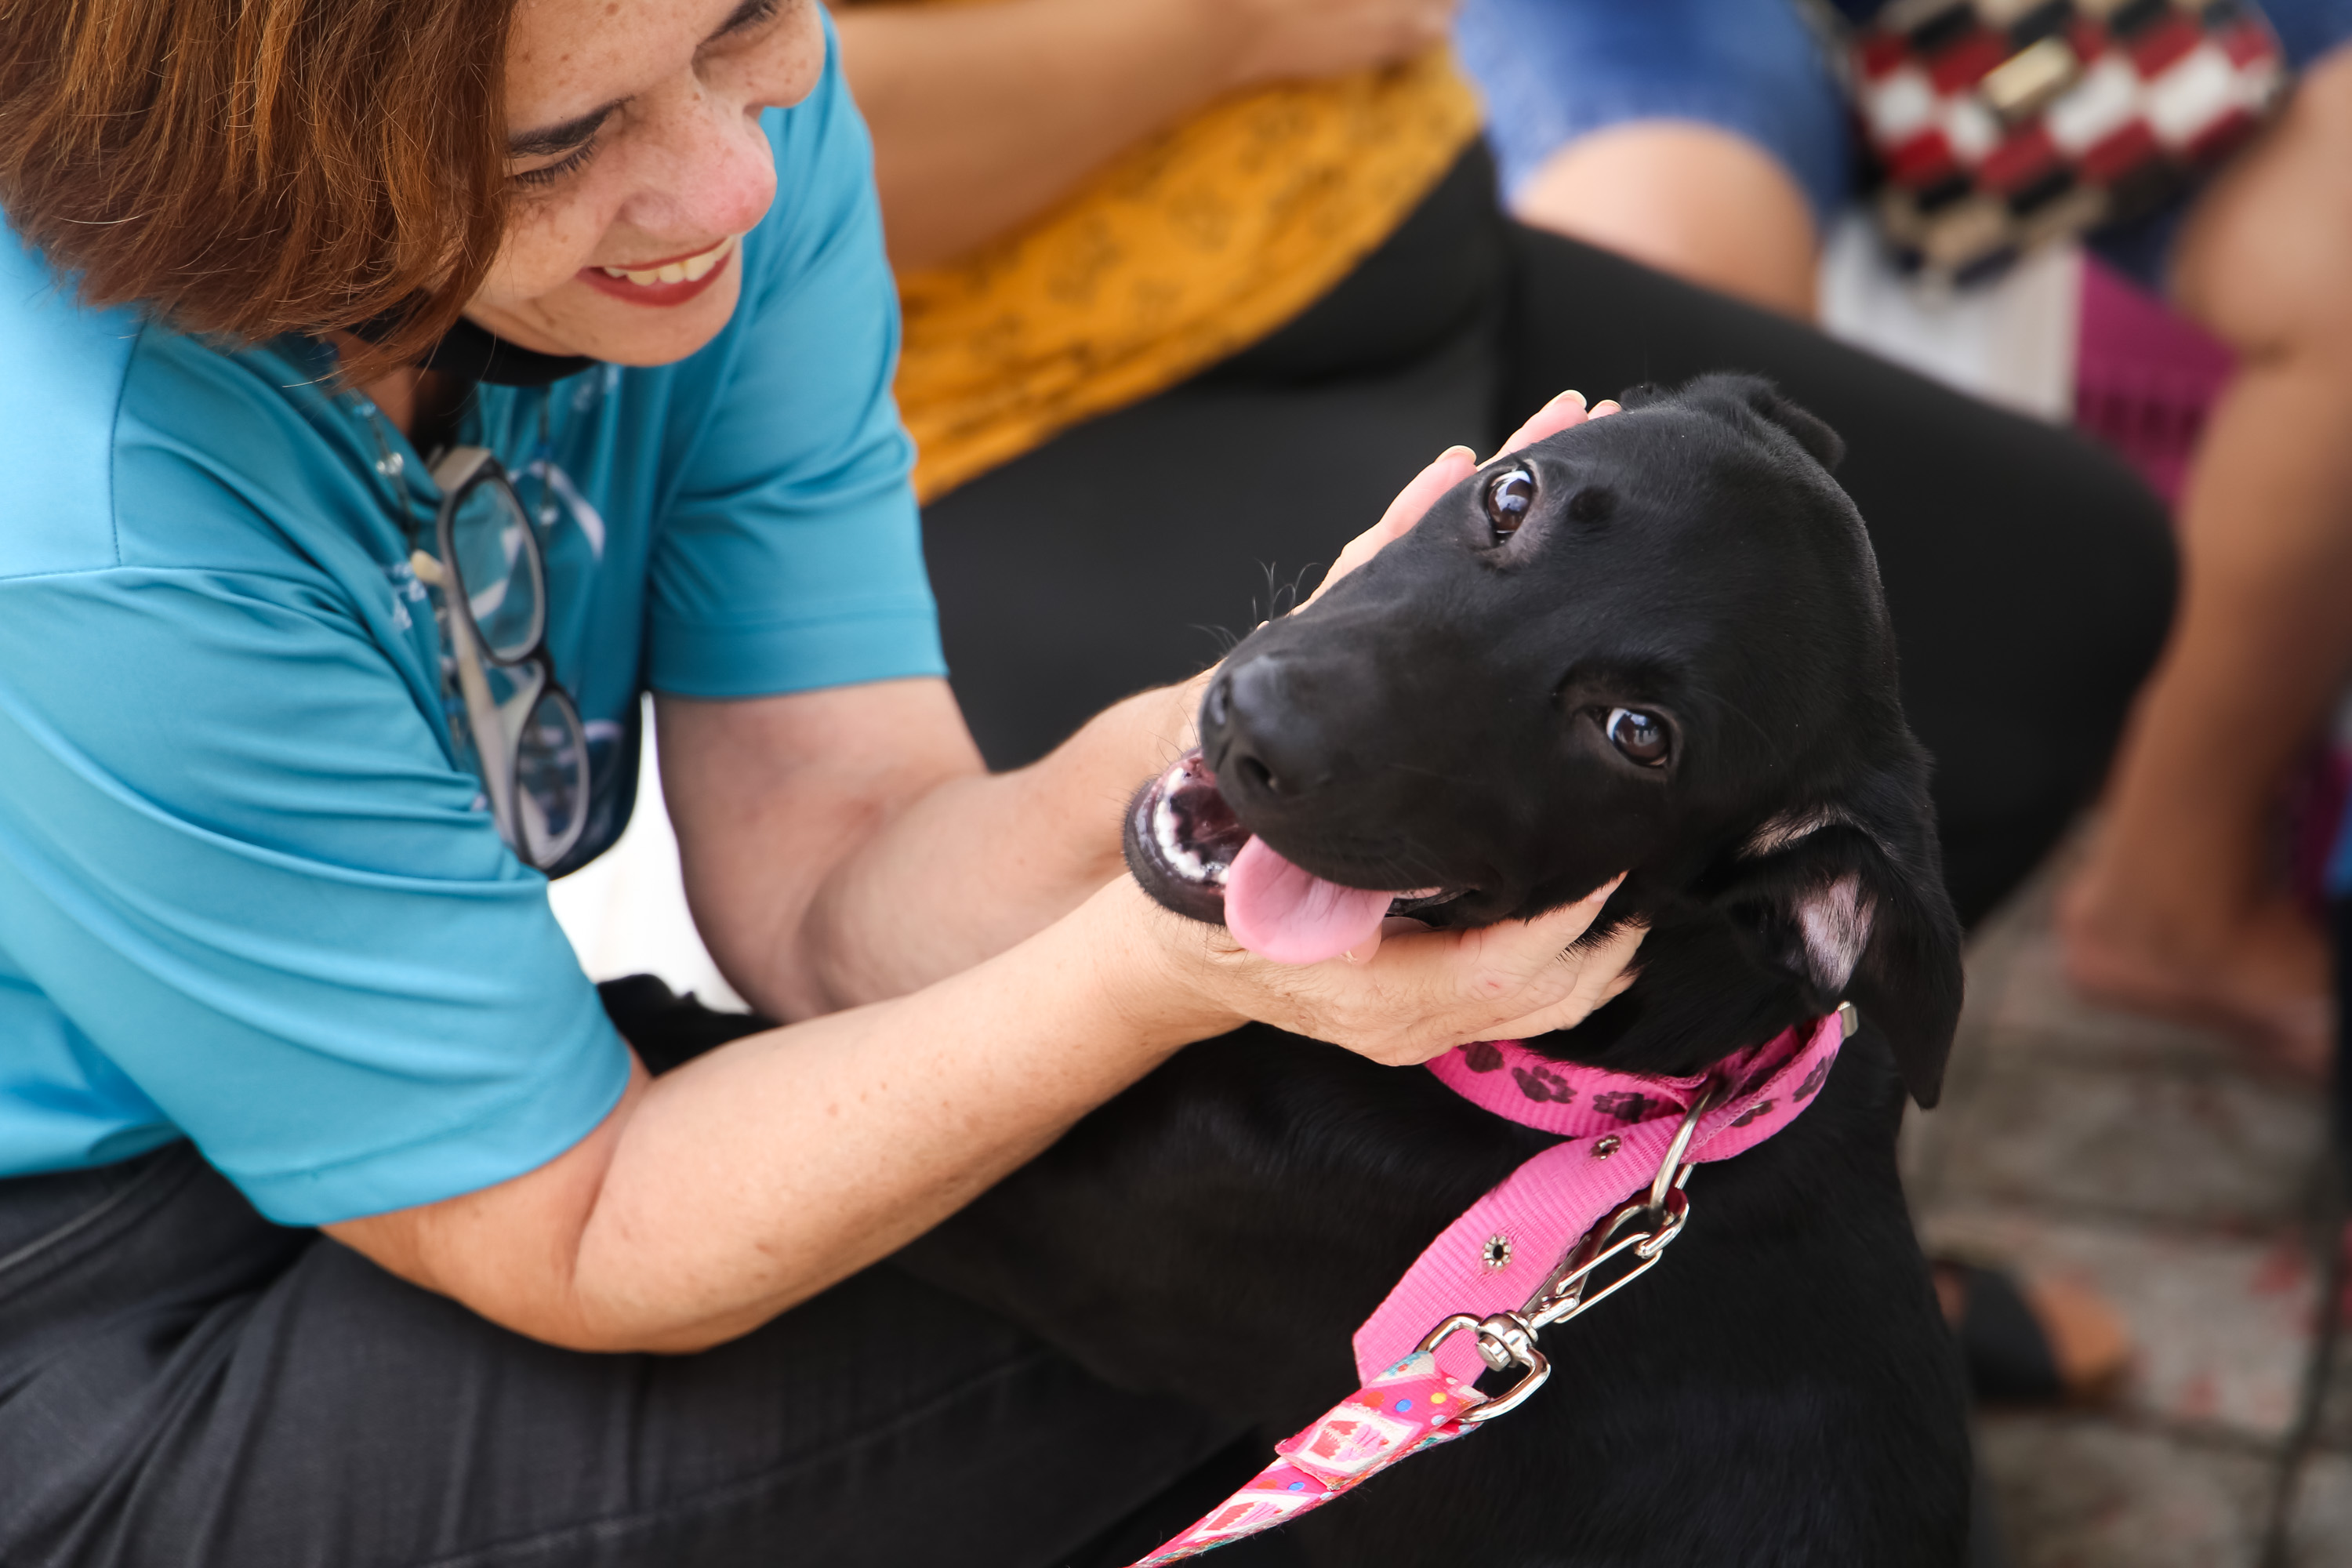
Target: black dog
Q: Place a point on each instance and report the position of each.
(1654, 643)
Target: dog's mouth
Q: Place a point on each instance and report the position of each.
(1191, 852)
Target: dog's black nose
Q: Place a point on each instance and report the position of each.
(1254, 731)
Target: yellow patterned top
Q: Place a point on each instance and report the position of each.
(1188, 247)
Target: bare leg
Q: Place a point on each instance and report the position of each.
(2172, 912)
(1699, 201)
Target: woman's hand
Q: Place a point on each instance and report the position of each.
(985, 115)
(1291, 40)
(1452, 465)
(1416, 996)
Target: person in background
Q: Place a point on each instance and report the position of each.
(1185, 279)
(1708, 138)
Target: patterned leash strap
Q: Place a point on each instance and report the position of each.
(1410, 1406)
(1417, 1401)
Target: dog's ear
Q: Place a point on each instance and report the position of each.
(1848, 899)
(1642, 394)
(1757, 396)
(1826, 444)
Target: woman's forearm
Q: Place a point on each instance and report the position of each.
(716, 1197)
(984, 114)
(845, 846)
(980, 862)
(721, 1194)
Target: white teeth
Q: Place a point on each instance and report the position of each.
(693, 269)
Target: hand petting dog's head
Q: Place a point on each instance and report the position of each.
(1654, 643)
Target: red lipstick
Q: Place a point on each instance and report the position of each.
(676, 293)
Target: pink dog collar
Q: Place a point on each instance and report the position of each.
(1509, 1266)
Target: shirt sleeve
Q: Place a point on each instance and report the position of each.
(790, 557)
(234, 854)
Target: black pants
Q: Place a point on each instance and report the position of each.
(2029, 574)
(186, 1385)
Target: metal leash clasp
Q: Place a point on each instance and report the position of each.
(1504, 1339)
(1643, 1226)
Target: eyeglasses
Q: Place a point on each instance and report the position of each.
(522, 728)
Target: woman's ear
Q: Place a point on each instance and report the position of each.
(1848, 900)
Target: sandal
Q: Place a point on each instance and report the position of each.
(2034, 1341)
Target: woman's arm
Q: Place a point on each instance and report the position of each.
(984, 114)
(843, 847)
(716, 1197)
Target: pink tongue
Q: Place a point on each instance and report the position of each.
(1278, 912)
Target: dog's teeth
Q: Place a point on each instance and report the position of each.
(646, 279)
(1180, 857)
(674, 272)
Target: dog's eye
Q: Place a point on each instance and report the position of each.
(1641, 736)
(1509, 494)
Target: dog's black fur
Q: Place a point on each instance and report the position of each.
(1780, 1390)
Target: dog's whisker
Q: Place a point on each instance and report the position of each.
(1225, 637)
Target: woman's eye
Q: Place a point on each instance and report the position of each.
(1509, 494)
(548, 174)
(751, 14)
(1641, 736)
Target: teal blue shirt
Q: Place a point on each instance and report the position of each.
(248, 894)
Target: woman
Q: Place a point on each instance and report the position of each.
(282, 751)
(1128, 239)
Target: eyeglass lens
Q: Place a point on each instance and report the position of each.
(497, 560)
(552, 778)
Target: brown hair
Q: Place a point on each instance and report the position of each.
(251, 167)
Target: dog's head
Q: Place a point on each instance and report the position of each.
(1654, 643)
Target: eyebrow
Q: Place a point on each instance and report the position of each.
(573, 133)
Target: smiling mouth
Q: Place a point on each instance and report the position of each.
(678, 269)
(1191, 852)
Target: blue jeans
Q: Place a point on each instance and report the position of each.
(1553, 70)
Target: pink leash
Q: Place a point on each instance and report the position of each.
(1522, 1255)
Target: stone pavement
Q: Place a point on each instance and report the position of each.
(2159, 1166)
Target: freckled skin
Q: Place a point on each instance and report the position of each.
(680, 166)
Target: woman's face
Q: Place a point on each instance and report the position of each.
(638, 163)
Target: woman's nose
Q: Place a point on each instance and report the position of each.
(714, 175)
